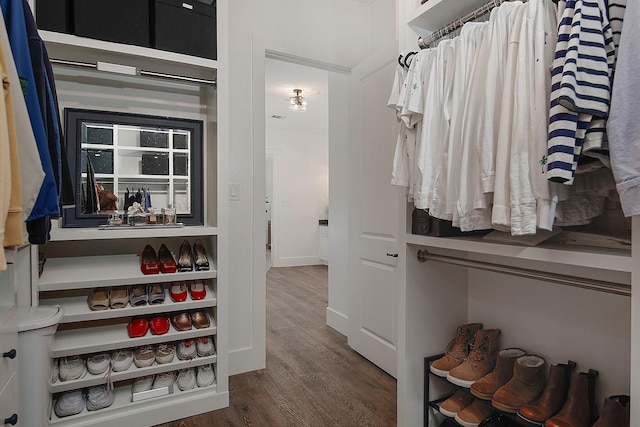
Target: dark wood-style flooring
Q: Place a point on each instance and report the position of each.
(312, 377)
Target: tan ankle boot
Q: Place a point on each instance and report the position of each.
(486, 386)
(480, 361)
(529, 379)
(552, 398)
(457, 349)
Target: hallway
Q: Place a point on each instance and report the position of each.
(312, 377)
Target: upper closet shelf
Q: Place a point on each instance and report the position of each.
(598, 258)
(435, 14)
(74, 48)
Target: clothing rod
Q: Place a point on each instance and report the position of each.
(425, 42)
(562, 279)
(136, 71)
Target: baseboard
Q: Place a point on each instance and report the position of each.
(246, 360)
(337, 321)
(296, 261)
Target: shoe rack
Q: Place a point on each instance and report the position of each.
(79, 260)
(434, 404)
(561, 302)
(110, 261)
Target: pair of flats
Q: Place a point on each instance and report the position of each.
(138, 327)
(184, 321)
(178, 291)
(104, 298)
(153, 293)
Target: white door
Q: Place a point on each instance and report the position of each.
(375, 209)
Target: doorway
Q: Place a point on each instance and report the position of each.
(296, 162)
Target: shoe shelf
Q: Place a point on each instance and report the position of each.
(111, 337)
(107, 270)
(67, 234)
(145, 412)
(434, 404)
(76, 308)
(90, 380)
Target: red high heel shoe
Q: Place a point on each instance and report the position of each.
(149, 261)
(167, 262)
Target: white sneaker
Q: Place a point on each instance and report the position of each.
(164, 353)
(144, 356)
(205, 376)
(98, 363)
(204, 346)
(186, 379)
(164, 379)
(122, 359)
(54, 374)
(142, 384)
(71, 368)
(70, 403)
(99, 397)
(187, 349)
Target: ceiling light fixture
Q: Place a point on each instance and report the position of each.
(297, 102)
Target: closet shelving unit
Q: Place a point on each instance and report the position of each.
(79, 260)
(584, 322)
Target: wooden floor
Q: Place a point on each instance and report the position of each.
(312, 377)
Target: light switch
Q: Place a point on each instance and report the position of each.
(234, 192)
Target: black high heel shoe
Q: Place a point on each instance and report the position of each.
(201, 260)
(185, 257)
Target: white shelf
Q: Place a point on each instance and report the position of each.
(67, 234)
(435, 14)
(76, 43)
(107, 270)
(76, 308)
(603, 259)
(90, 380)
(147, 412)
(110, 337)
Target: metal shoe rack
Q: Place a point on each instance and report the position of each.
(435, 403)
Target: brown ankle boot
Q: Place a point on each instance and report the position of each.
(576, 411)
(480, 361)
(457, 349)
(486, 386)
(553, 397)
(615, 412)
(529, 378)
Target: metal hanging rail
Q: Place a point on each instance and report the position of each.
(563, 279)
(425, 42)
(130, 71)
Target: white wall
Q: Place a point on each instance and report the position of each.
(332, 31)
(302, 193)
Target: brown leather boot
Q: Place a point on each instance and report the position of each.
(457, 349)
(615, 412)
(486, 386)
(529, 378)
(576, 411)
(480, 361)
(553, 397)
